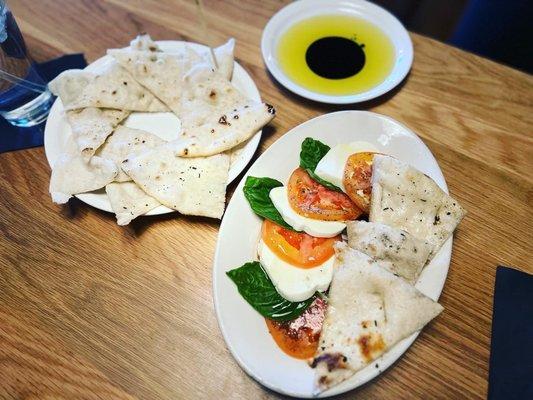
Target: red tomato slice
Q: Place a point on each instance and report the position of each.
(299, 337)
(298, 249)
(357, 179)
(313, 200)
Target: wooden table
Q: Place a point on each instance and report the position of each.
(92, 310)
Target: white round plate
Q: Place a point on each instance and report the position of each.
(304, 9)
(165, 125)
(244, 330)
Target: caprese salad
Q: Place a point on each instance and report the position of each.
(342, 305)
(303, 219)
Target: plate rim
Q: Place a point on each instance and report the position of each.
(407, 342)
(239, 167)
(271, 33)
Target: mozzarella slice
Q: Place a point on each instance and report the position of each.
(331, 167)
(313, 227)
(291, 282)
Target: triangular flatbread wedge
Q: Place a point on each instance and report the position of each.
(171, 66)
(91, 126)
(71, 174)
(161, 73)
(399, 251)
(230, 130)
(405, 198)
(369, 311)
(193, 186)
(225, 58)
(125, 142)
(214, 115)
(128, 201)
(112, 87)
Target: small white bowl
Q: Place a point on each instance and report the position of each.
(304, 9)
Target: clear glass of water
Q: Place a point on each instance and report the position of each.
(24, 98)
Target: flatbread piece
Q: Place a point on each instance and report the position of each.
(192, 186)
(71, 174)
(128, 201)
(125, 142)
(399, 251)
(91, 126)
(214, 115)
(405, 198)
(112, 87)
(369, 311)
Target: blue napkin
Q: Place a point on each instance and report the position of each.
(16, 138)
(511, 358)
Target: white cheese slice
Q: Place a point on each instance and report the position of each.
(331, 167)
(313, 227)
(294, 283)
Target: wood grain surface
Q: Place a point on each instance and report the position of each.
(91, 310)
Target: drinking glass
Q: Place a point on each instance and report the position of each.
(24, 97)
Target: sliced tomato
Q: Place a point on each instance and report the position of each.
(297, 248)
(313, 200)
(357, 179)
(299, 337)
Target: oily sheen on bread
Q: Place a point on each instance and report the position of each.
(112, 87)
(128, 201)
(91, 126)
(405, 198)
(399, 251)
(193, 186)
(369, 311)
(125, 142)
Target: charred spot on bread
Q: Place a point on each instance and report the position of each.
(333, 361)
(323, 380)
(224, 120)
(371, 345)
(270, 109)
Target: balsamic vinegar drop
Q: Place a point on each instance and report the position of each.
(335, 57)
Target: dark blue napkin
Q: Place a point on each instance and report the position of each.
(16, 138)
(511, 358)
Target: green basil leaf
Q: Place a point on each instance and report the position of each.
(257, 289)
(311, 153)
(256, 191)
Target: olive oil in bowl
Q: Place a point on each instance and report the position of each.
(335, 54)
